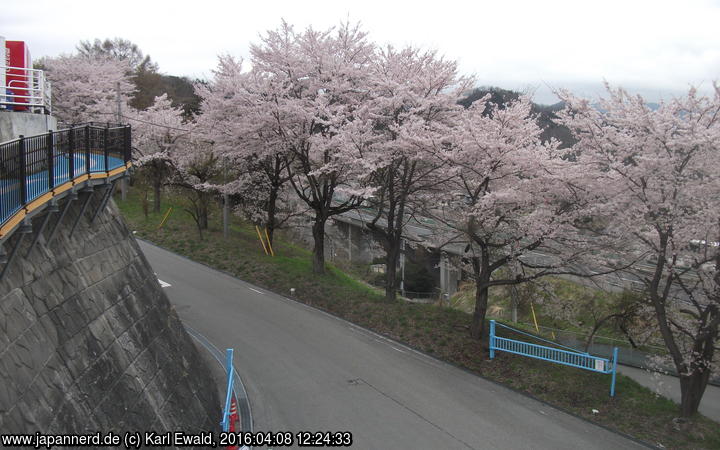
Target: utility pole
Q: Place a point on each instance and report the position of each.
(123, 180)
(119, 104)
(514, 300)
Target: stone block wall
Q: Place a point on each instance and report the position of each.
(89, 341)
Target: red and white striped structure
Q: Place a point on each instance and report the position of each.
(22, 88)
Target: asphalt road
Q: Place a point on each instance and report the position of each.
(308, 371)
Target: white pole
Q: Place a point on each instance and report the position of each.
(40, 93)
(349, 225)
(119, 107)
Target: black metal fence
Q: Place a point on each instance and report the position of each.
(33, 166)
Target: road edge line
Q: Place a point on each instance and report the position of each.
(238, 386)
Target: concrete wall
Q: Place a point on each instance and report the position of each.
(348, 242)
(13, 124)
(89, 341)
(353, 243)
(355, 247)
(449, 276)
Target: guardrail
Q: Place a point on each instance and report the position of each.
(566, 356)
(23, 89)
(35, 169)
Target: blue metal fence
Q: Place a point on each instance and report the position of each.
(33, 166)
(565, 355)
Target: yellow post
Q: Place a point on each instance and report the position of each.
(532, 309)
(165, 217)
(267, 235)
(261, 239)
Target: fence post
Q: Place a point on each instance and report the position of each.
(127, 143)
(23, 180)
(492, 339)
(105, 147)
(87, 149)
(71, 153)
(51, 160)
(614, 372)
(229, 366)
(126, 160)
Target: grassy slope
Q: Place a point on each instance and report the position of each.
(439, 331)
(500, 309)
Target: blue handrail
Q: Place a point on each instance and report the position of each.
(571, 357)
(31, 167)
(539, 338)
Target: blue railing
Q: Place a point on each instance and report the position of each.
(225, 424)
(31, 167)
(565, 355)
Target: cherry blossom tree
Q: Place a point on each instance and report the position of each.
(120, 49)
(269, 205)
(594, 308)
(158, 133)
(85, 89)
(412, 104)
(659, 173)
(198, 172)
(508, 197)
(314, 81)
(235, 117)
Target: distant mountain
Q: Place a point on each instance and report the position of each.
(546, 114)
(651, 105)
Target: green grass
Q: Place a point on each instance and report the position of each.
(440, 331)
(499, 307)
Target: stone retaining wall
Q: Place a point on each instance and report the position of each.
(89, 341)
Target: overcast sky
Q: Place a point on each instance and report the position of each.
(656, 48)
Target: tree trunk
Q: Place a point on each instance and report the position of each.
(318, 231)
(271, 210)
(196, 218)
(271, 233)
(204, 218)
(393, 235)
(692, 386)
(477, 327)
(203, 211)
(156, 191)
(482, 277)
(391, 263)
(692, 389)
(595, 329)
(694, 375)
(591, 338)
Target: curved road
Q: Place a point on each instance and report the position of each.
(306, 370)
